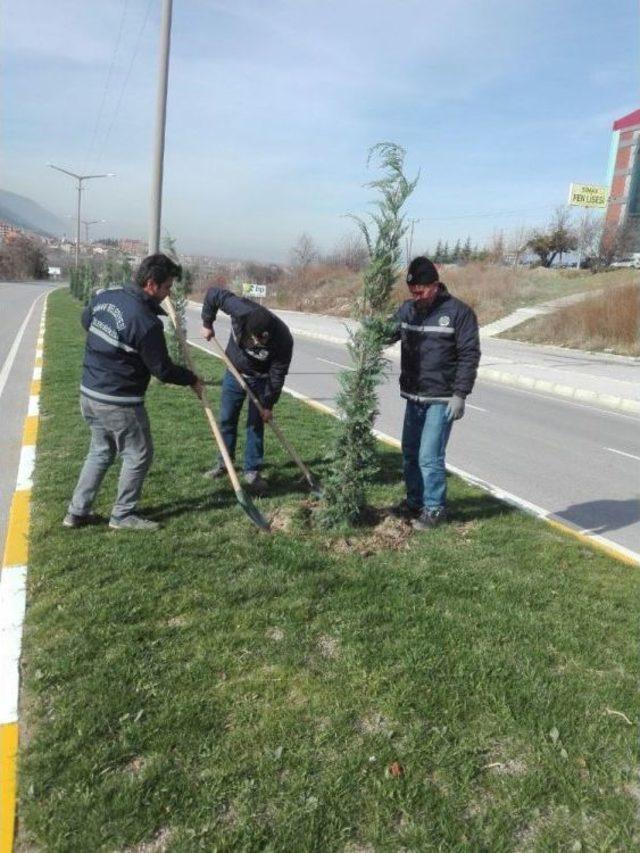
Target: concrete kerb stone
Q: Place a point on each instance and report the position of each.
(606, 401)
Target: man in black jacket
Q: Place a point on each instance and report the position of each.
(125, 347)
(260, 348)
(440, 352)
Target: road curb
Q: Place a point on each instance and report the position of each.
(504, 377)
(558, 389)
(13, 577)
(599, 543)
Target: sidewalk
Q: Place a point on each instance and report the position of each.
(606, 381)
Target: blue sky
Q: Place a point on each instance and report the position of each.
(273, 105)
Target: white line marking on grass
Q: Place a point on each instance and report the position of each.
(12, 606)
(8, 362)
(622, 453)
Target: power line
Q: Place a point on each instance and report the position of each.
(126, 80)
(125, 6)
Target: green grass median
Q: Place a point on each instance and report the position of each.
(211, 687)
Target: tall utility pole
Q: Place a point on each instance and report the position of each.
(79, 179)
(87, 223)
(161, 120)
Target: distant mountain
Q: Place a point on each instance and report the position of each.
(25, 213)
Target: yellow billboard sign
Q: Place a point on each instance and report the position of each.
(588, 195)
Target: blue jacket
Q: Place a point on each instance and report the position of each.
(125, 347)
(271, 361)
(440, 349)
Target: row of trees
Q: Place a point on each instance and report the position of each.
(90, 277)
(22, 258)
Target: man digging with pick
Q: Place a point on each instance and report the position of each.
(440, 353)
(260, 348)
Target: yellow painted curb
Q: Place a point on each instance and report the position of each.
(592, 543)
(16, 549)
(35, 388)
(8, 777)
(30, 432)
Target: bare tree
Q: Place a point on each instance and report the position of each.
(495, 248)
(305, 251)
(615, 240)
(517, 244)
(351, 251)
(559, 237)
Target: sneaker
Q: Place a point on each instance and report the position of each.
(430, 518)
(256, 482)
(405, 511)
(133, 522)
(216, 472)
(73, 521)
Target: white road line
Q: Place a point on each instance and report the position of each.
(11, 357)
(334, 363)
(25, 468)
(477, 408)
(12, 606)
(622, 453)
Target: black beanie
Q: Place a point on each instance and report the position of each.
(422, 271)
(259, 321)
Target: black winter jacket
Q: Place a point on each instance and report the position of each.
(271, 361)
(440, 348)
(125, 347)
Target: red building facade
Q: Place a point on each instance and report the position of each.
(622, 219)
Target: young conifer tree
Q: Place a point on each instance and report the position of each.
(355, 459)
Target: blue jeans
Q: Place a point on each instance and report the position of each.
(425, 435)
(232, 399)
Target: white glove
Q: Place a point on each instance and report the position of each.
(455, 408)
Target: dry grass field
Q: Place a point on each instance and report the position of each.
(493, 291)
(605, 321)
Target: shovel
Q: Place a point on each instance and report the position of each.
(313, 485)
(243, 499)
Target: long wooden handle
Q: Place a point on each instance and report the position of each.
(273, 423)
(215, 429)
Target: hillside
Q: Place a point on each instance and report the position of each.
(26, 213)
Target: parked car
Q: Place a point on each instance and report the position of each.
(631, 261)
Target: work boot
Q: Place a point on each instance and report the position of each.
(134, 522)
(405, 511)
(74, 521)
(216, 472)
(430, 518)
(256, 483)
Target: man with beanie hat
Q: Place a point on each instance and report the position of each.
(260, 348)
(440, 352)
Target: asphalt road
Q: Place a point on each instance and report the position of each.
(18, 301)
(577, 462)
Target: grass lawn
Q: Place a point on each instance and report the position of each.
(211, 687)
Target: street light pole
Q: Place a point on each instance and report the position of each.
(79, 179)
(87, 223)
(161, 118)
